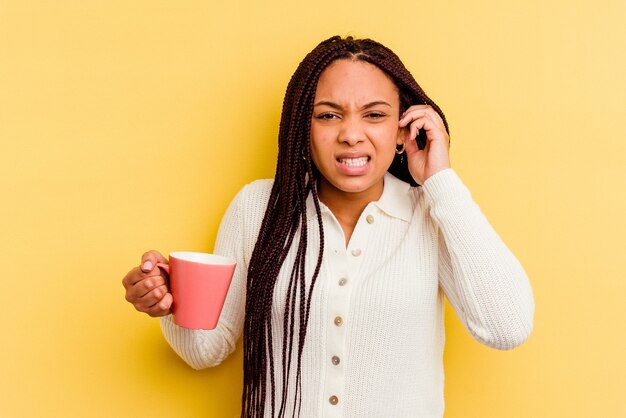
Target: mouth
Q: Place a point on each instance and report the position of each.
(354, 162)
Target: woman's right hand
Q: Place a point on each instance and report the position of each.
(147, 286)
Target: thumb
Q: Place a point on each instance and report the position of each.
(412, 148)
(150, 259)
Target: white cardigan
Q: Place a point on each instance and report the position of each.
(375, 337)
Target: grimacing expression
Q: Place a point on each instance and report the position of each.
(354, 128)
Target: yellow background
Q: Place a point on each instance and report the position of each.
(126, 126)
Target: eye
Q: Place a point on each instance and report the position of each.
(376, 115)
(326, 116)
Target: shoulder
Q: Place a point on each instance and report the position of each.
(257, 190)
(400, 192)
(252, 199)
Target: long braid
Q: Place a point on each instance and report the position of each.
(286, 215)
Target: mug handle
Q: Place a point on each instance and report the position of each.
(164, 266)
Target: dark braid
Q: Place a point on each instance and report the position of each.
(286, 215)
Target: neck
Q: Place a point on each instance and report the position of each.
(347, 206)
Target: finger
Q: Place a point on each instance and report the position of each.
(417, 111)
(411, 116)
(132, 277)
(417, 114)
(150, 259)
(433, 131)
(136, 275)
(161, 308)
(413, 109)
(165, 304)
(412, 148)
(414, 127)
(147, 285)
(150, 299)
(143, 286)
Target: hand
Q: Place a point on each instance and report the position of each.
(435, 156)
(146, 286)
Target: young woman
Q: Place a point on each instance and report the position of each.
(344, 258)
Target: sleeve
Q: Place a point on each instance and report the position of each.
(482, 279)
(207, 348)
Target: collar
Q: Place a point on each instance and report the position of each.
(395, 201)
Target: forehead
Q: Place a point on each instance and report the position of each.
(347, 80)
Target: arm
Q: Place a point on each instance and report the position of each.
(482, 279)
(207, 348)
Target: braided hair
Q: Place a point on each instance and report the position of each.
(286, 214)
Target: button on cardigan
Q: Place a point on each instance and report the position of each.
(375, 338)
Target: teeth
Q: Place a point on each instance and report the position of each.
(353, 162)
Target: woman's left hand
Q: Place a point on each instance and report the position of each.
(435, 156)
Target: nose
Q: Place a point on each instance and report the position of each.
(351, 132)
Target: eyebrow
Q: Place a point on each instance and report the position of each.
(338, 107)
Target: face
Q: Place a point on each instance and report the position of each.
(354, 129)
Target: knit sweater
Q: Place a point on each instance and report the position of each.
(375, 337)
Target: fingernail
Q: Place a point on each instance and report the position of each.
(147, 266)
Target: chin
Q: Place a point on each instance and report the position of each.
(356, 185)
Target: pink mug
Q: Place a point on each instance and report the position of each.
(199, 283)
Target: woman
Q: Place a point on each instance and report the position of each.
(344, 258)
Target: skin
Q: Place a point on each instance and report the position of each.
(146, 286)
(355, 114)
(355, 129)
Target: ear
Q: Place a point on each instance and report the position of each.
(401, 137)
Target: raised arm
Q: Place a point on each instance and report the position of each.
(482, 279)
